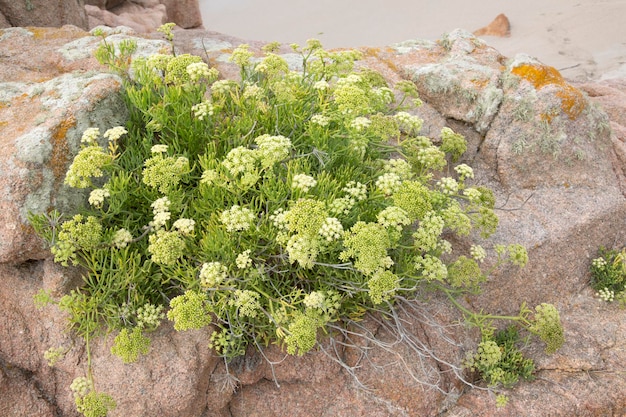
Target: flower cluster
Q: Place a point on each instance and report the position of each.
(303, 182)
(164, 173)
(360, 123)
(53, 355)
(87, 164)
(414, 198)
(166, 247)
(161, 211)
(388, 183)
(320, 120)
(79, 233)
(212, 274)
(427, 235)
(237, 218)
(246, 302)
(303, 332)
(243, 260)
(394, 217)
(203, 110)
(400, 167)
(331, 229)
(190, 311)
(272, 149)
(149, 316)
(129, 345)
(382, 286)
(431, 268)
(409, 123)
(547, 325)
(97, 196)
(88, 401)
(367, 244)
(184, 226)
(448, 185)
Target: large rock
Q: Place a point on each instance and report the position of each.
(539, 142)
(42, 13)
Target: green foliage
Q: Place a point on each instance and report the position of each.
(277, 207)
(498, 360)
(608, 275)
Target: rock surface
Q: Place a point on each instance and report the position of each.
(500, 26)
(543, 145)
(42, 13)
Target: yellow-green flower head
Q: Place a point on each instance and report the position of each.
(273, 66)
(306, 217)
(84, 233)
(158, 61)
(164, 173)
(237, 219)
(240, 160)
(176, 71)
(241, 55)
(351, 99)
(478, 253)
(393, 217)
(488, 354)
(86, 165)
(279, 219)
(385, 94)
(473, 195)
(431, 158)
(321, 85)
(382, 286)
(414, 198)
(360, 123)
(166, 247)
(465, 272)
(253, 92)
(199, 71)
(129, 345)
(431, 268)
(272, 149)
(448, 185)
(221, 87)
(190, 311)
(95, 404)
(246, 302)
(149, 316)
(341, 206)
(367, 244)
(80, 386)
(160, 205)
(452, 143)
(167, 30)
(303, 250)
(302, 333)
(315, 299)
(427, 234)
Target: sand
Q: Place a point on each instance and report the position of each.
(584, 39)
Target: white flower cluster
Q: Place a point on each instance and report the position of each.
(388, 183)
(247, 303)
(393, 216)
(350, 79)
(253, 92)
(606, 295)
(355, 190)
(478, 253)
(360, 123)
(321, 85)
(122, 238)
(279, 219)
(331, 229)
(209, 177)
(448, 185)
(408, 122)
(303, 250)
(184, 226)
(237, 218)
(243, 260)
(114, 133)
(97, 196)
(385, 94)
(221, 87)
(431, 157)
(90, 136)
(303, 182)
(400, 167)
(212, 274)
(341, 205)
(158, 148)
(315, 299)
(199, 70)
(272, 149)
(202, 110)
(464, 171)
(320, 120)
(240, 160)
(161, 211)
(599, 263)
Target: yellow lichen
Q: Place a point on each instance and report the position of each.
(540, 76)
(60, 149)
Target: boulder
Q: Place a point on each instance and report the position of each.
(551, 153)
(500, 26)
(40, 13)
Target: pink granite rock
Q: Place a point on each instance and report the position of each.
(40, 13)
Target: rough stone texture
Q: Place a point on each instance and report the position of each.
(500, 26)
(540, 143)
(44, 14)
(185, 13)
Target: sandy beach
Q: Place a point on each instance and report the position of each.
(585, 39)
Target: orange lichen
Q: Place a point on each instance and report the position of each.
(60, 149)
(57, 33)
(540, 76)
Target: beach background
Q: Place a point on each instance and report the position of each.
(584, 39)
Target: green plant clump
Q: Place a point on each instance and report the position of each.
(608, 275)
(279, 208)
